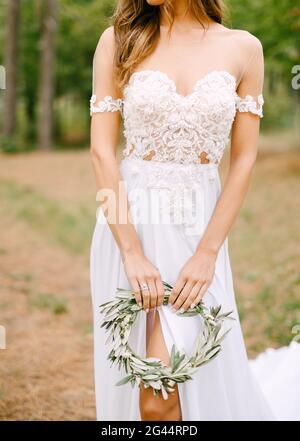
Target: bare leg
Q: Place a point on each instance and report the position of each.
(156, 408)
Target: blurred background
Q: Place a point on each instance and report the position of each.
(47, 199)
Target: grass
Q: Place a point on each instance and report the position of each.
(297, 280)
(23, 277)
(71, 230)
(266, 296)
(49, 302)
(4, 305)
(251, 276)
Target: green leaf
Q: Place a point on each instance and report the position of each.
(125, 380)
(178, 362)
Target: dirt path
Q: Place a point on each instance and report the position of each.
(46, 370)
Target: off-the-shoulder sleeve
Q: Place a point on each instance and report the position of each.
(249, 96)
(105, 95)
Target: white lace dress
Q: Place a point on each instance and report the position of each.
(172, 196)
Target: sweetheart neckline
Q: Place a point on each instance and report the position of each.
(173, 83)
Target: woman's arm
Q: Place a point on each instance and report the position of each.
(197, 274)
(105, 130)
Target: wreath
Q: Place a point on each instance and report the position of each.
(119, 317)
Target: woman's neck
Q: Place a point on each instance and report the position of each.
(184, 21)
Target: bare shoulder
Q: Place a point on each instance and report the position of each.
(107, 37)
(247, 41)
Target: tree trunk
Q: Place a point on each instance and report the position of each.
(11, 67)
(46, 90)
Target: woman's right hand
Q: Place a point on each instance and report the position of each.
(140, 271)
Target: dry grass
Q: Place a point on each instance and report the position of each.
(46, 220)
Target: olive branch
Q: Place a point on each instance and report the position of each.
(120, 315)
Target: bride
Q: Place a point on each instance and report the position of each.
(182, 82)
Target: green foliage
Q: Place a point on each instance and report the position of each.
(8, 145)
(277, 25)
(81, 22)
(12, 145)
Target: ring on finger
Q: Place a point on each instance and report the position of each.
(144, 287)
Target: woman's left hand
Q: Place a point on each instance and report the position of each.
(194, 280)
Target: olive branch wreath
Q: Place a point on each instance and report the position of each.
(119, 317)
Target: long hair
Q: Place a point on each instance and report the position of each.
(137, 28)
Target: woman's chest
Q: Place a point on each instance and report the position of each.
(151, 96)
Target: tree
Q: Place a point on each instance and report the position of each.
(29, 67)
(11, 66)
(46, 90)
(277, 25)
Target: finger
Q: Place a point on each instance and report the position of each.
(191, 299)
(153, 293)
(160, 291)
(183, 295)
(145, 295)
(179, 285)
(201, 293)
(137, 293)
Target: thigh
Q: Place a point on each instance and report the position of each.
(156, 347)
(155, 342)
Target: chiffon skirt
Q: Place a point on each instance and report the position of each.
(171, 205)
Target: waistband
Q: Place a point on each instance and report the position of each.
(169, 166)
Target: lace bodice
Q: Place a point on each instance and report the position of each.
(162, 125)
